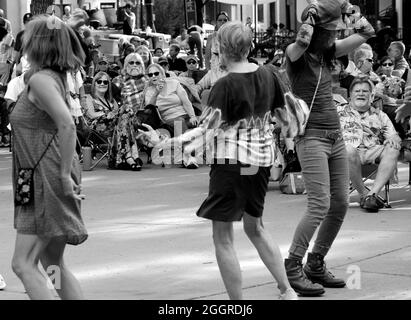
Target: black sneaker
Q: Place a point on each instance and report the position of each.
(316, 270)
(370, 203)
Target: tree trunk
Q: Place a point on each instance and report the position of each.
(199, 8)
(40, 6)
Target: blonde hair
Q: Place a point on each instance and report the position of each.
(50, 43)
(158, 67)
(361, 53)
(144, 48)
(235, 40)
(398, 45)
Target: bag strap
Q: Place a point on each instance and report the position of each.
(44, 152)
(318, 86)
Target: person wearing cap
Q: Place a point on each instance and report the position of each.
(102, 64)
(192, 65)
(370, 138)
(163, 62)
(321, 148)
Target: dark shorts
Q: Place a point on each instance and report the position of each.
(232, 193)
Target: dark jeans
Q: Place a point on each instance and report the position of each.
(194, 40)
(324, 163)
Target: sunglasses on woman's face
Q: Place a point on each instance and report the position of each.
(150, 75)
(137, 63)
(387, 64)
(164, 64)
(191, 62)
(105, 82)
(102, 63)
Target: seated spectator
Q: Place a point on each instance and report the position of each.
(205, 85)
(163, 61)
(102, 109)
(192, 66)
(276, 58)
(127, 50)
(158, 52)
(136, 41)
(390, 90)
(102, 64)
(145, 54)
(176, 64)
(94, 58)
(171, 99)
(396, 52)
(370, 138)
(124, 153)
(362, 65)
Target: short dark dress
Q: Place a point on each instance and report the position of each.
(52, 214)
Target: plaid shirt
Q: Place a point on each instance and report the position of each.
(6, 48)
(131, 91)
(366, 129)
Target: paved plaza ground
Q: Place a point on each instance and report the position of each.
(145, 241)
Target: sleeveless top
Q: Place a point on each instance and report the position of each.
(52, 214)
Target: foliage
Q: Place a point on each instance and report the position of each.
(40, 6)
(169, 16)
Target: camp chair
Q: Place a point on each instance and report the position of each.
(369, 171)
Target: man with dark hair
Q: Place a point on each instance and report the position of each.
(176, 64)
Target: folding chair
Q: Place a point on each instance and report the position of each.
(369, 171)
(99, 146)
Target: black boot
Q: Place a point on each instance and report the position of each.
(299, 281)
(317, 272)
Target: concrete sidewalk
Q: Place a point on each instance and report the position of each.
(147, 243)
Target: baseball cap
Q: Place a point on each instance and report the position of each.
(188, 58)
(329, 13)
(162, 59)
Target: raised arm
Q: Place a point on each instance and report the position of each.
(364, 31)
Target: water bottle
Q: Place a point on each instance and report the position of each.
(86, 158)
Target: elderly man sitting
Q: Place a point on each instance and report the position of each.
(371, 139)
